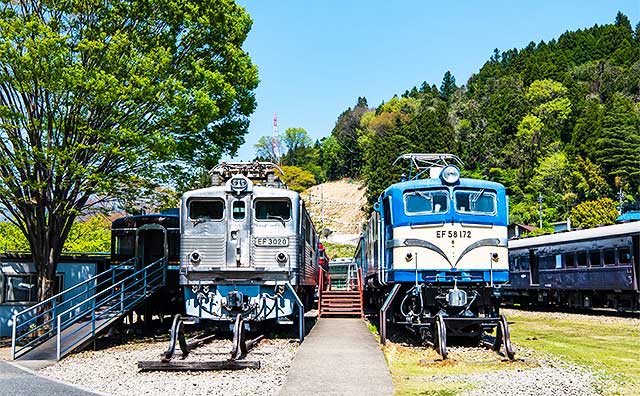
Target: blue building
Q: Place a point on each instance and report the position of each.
(18, 281)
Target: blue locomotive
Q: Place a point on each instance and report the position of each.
(435, 254)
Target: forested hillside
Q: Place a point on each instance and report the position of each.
(556, 119)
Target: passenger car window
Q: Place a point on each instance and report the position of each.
(594, 258)
(609, 257)
(624, 256)
(273, 209)
(238, 210)
(558, 261)
(204, 210)
(569, 260)
(426, 202)
(475, 201)
(582, 259)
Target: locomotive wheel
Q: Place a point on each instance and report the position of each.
(239, 340)
(506, 337)
(177, 335)
(441, 337)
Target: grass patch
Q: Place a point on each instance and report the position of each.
(611, 347)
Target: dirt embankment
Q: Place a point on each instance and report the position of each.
(337, 205)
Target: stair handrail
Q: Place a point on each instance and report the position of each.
(361, 287)
(151, 281)
(41, 309)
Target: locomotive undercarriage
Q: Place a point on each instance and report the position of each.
(436, 313)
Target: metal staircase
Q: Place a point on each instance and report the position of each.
(70, 320)
(344, 300)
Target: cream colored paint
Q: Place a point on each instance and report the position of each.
(442, 237)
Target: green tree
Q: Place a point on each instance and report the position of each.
(448, 86)
(94, 94)
(592, 213)
(297, 179)
(619, 144)
(90, 235)
(11, 238)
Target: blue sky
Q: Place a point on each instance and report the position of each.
(316, 57)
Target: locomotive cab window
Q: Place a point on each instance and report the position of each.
(479, 201)
(273, 209)
(426, 202)
(238, 210)
(204, 210)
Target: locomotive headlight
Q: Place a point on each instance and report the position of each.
(282, 258)
(195, 257)
(450, 174)
(494, 257)
(408, 257)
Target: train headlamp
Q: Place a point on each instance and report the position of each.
(450, 174)
(282, 258)
(195, 257)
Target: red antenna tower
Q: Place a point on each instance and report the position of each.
(275, 139)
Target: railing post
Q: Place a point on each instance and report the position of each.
(13, 335)
(93, 317)
(145, 281)
(54, 315)
(58, 352)
(122, 298)
(113, 280)
(164, 271)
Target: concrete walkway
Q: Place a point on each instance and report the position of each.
(16, 381)
(339, 357)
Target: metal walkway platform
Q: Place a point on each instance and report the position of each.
(67, 322)
(339, 357)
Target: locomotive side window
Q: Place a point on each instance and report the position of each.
(238, 210)
(524, 263)
(624, 256)
(558, 261)
(426, 202)
(476, 201)
(609, 257)
(594, 258)
(203, 210)
(273, 209)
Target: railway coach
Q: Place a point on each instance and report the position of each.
(435, 253)
(596, 267)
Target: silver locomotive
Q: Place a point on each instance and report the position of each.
(248, 248)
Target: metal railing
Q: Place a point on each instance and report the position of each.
(110, 303)
(47, 319)
(36, 324)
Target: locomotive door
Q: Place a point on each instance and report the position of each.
(238, 228)
(534, 266)
(151, 244)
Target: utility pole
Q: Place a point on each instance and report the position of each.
(540, 199)
(620, 199)
(322, 205)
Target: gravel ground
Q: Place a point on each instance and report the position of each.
(532, 374)
(114, 370)
(552, 378)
